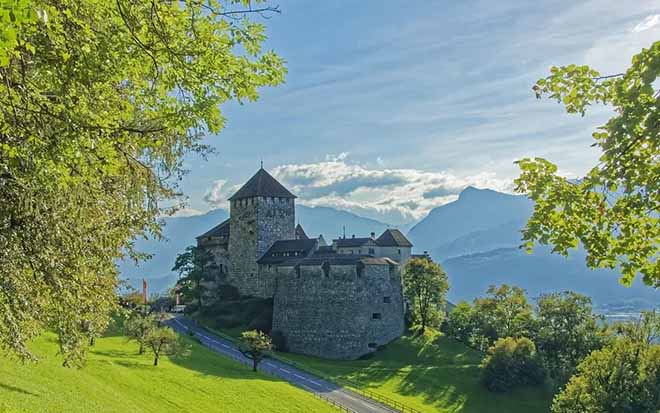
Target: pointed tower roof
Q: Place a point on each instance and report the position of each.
(393, 238)
(300, 232)
(262, 184)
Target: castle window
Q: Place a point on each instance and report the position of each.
(326, 268)
(399, 251)
(372, 345)
(387, 299)
(376, 316)
(298, 270)
(372, 251)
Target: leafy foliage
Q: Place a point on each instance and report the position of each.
(255, 345)
(621, 378)
(195, 266)
(504, 312)
(99, 103)
(460, 322)
(139, 325)
(512, 362)
(164, 341)
(425, 286)
(614, 211)
(567, 331)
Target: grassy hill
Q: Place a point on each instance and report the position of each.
(431, 373)
(116, 379)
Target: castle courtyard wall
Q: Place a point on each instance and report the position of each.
(342, 315)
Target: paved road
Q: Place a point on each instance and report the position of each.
(350, 400)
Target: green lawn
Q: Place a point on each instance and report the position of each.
(432, 374)
(116, 379)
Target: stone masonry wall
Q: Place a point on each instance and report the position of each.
(339, 316)
(256, 223)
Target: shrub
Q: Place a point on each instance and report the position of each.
(512, 362)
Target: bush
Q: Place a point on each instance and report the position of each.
(512, 362)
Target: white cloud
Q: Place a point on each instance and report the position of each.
(395, 196)
(216, 194)
(187, 212)
(649, 22)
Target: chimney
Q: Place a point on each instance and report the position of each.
(373, 235)
(353, 236)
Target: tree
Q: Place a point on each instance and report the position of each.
(195, 266)
(100, 102)
(460, 322)
(255, 345)
(613, 211)
(567, 331)
(504, 312)
(511, 362)
(164, 341)
(140, 325)
(623, 377)
(425, 285)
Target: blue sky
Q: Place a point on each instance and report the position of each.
(391, 108)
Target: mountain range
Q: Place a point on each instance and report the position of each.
(476, 239)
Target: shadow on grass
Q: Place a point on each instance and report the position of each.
(436, 371)
(17, 390)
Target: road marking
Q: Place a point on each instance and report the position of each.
(285, 370)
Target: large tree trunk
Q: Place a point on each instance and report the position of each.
(156, 360)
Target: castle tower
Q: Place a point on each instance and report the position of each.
(262, 212)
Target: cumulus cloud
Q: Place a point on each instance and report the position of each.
(187, 212)
(649, 22)
(216, 194)
(395, 196)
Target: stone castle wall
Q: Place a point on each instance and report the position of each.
(256, 223)
(342, 315)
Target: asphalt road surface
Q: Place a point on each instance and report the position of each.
(351, 401)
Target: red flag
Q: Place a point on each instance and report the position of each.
(144, 290)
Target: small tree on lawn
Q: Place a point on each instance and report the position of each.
(163, 341)
(254, 345)
(139, 326)
(425, 285)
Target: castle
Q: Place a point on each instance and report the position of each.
(338, 301)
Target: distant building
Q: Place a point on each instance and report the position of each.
(335, 301)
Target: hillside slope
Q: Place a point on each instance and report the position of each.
(476, 239)
(474, 210)
(117, 380)
(433, 374)
(542, 272)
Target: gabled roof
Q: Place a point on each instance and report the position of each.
(262, 184)
(220, 230)
(300, 232)
(338, 259)
(393, 238)
(284, 250)
(353, 242)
